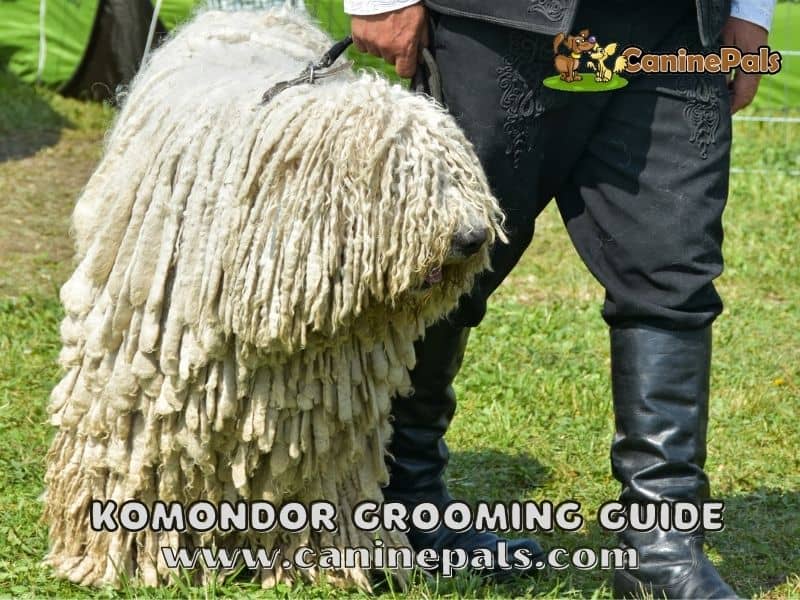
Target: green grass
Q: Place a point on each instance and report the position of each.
(48, 147)
(780, 91)
(534, 419)
(26, 109)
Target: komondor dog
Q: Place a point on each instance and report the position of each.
(250, 282)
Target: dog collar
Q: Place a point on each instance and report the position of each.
(575, 55)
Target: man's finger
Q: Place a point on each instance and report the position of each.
(359, 34)
(371, 48)
(744, 89)
(425, 41)
(359, 44)
(406, 65)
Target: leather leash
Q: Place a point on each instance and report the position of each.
(426, 80)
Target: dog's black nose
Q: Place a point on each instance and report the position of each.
(467, 244)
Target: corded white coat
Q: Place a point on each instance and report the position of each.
(250, 282)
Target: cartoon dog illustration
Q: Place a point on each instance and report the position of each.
(599, 54)
(567, 66)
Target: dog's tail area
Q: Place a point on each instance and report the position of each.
(620, 64)
(557, 41)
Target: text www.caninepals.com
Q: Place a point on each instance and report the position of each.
(447, 562)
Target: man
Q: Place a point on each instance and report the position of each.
(640, 176)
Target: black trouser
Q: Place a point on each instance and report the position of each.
(640, 174)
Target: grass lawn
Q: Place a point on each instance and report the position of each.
(534, 420)
(777, 92)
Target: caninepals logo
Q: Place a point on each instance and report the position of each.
(607, 67)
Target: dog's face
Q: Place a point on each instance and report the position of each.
(600, 53)
(470, 238)
(582, 42)
(428, 215)
(391, 214)
(464, 246)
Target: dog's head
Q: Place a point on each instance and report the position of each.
(394, 213)
(602, 52)
(429, 174)
(582, 42)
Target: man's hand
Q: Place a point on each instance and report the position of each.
(747, 37)
(397, 36)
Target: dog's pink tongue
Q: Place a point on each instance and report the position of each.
(435, 276)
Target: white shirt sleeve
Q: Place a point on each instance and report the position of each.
(375, 7)
(755, 11)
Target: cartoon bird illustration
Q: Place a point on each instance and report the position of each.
(599, 54)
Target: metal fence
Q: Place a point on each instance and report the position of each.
(775, 113)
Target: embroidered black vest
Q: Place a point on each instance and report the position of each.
(550, 17)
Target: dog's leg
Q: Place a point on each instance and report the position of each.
(575, 64)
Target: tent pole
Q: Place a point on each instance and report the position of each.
(42, 40)
(151, 33)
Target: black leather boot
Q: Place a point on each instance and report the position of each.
(419, 454)
(660, 383)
